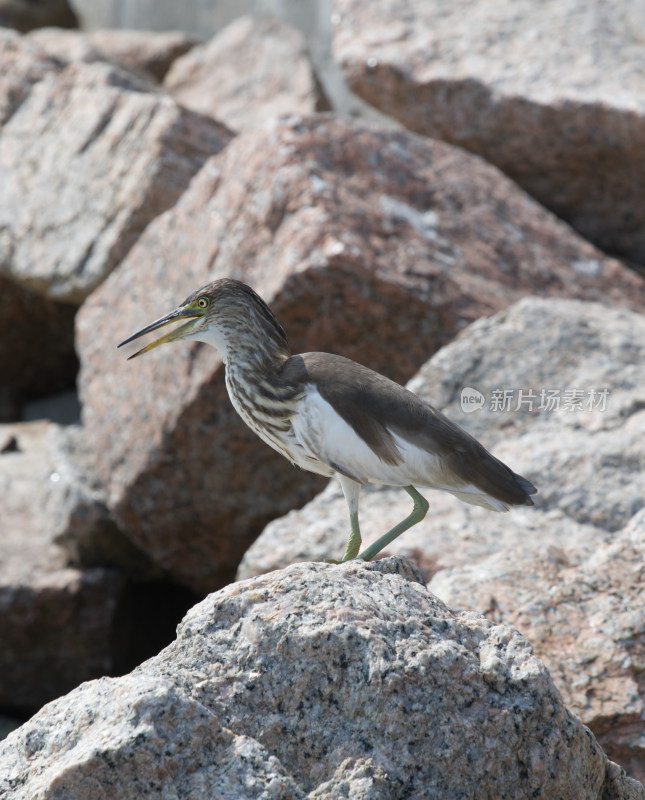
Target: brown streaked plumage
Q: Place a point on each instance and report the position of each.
(335, 417)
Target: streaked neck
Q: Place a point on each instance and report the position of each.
(247, 344)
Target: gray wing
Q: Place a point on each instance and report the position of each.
(376, 407)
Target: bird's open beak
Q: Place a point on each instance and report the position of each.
(189, 313)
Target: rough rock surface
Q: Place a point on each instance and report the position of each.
(532, 566)
(65, 45)
(74, 510)
(57, 623)
(87, 158)
(585, 620)
(372, 243)
(150, 53)
(552, 93)
(23, 64)
(319, 682)
(147, 53)
(255, 68)
(61, 624)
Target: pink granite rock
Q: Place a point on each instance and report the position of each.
(253, 69)
(88, 157)
(149, 54)
(552, 94)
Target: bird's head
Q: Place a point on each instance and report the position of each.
(194, 312)
(224, 313)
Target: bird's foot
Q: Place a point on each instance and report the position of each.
(344, 560)
(353, 544)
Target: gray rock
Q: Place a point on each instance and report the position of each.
(372, 243)
(319, 681)
(78, 604)
(65, 45)
(584, 615)
(57, 623)
(253, 69)
(149, 54)
(75, 513)
(36, 334)
(136, 737)
(553, 94)
(588, 461)
(67, 219)
(23, 64)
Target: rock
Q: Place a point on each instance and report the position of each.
(364, 241)
(66, 45)
(145, 720)
(149, 54)
(25, 15)
(36, 347)
(582, 348)
(57, 630)
(585, 620)
(554, 96)
(540, 569)
(319, 681)
(76, 517)
(23, 65)
(66, 219)
(255, 68)
(56, 625)
(63, 624)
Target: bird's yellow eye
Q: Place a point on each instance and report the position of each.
(203, 302)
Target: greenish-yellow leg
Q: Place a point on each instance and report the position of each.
(354, 543)
(351, 490)
(417, 514)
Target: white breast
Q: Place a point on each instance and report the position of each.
(283, 440)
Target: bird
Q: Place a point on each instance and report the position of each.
(335, 417)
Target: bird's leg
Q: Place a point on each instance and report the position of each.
(351, 490)
(416, 515)
(354, 543)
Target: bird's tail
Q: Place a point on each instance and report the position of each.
(519, 496)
